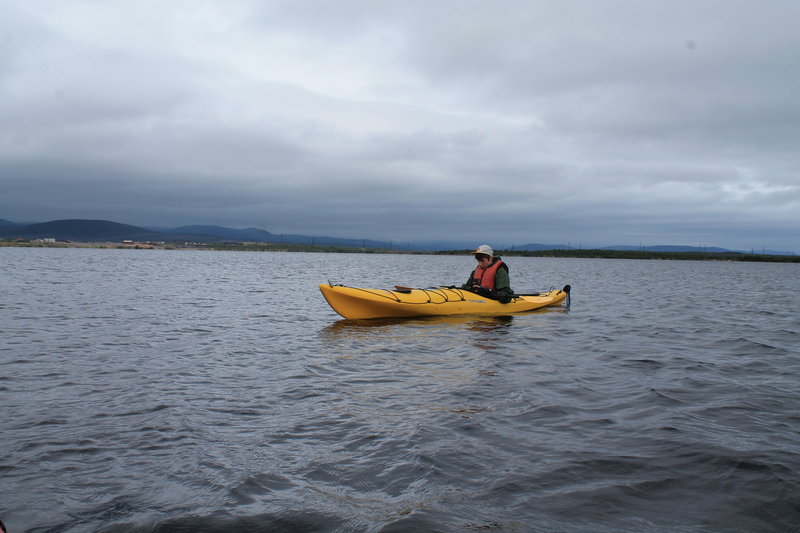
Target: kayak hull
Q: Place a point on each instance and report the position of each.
(358, 303)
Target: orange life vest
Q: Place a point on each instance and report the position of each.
(485, 276)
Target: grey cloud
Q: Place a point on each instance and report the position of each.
(664, 122)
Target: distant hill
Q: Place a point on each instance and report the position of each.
(246, 234)
(627, 248)
(667, 248)
(536, 246)
(335, 241)
(82, 230)
(260, 235)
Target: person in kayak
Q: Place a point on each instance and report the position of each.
(490, 278)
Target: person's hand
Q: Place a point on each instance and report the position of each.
(483, 291)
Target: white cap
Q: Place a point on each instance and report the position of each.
(484, 249)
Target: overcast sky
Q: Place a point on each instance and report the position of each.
(592, 123)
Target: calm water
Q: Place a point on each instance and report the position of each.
(185, 391)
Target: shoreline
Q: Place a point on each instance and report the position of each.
(274, 247)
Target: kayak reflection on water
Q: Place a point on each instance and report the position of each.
(347, 324)
(490, 330)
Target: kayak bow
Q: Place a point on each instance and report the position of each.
(358, 303)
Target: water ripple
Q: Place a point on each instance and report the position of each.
(181, 391)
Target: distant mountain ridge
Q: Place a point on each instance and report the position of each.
(81, 230)
(246, 234)
(622, 247)
(260, 235)
(669, 248)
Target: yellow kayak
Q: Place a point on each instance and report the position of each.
(358, 303)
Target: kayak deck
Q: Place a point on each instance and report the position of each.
(360, 303)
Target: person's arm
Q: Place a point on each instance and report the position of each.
(502, 285)
(468, 285)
